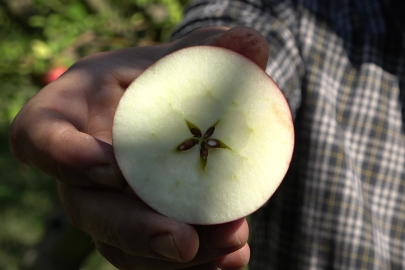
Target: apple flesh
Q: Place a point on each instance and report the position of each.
(203, 136)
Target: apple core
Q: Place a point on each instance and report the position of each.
(205, 142)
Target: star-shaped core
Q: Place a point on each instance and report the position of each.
(206, 142)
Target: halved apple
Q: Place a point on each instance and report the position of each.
(203, 136)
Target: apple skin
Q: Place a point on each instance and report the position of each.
(286, 116)
(53, 74)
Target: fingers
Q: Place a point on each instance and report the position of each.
(121, 225)
(65, 130)
(119, 67)
(123, 221)
(236, 260)
(46, 139)
(243, 40)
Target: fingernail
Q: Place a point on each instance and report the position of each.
(164, 245)
(104, 175)
(243, 256)
(220, 238)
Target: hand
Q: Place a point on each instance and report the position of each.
(65, 130)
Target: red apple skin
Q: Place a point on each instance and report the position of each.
(53, 74)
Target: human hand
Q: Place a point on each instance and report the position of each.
(65, 130)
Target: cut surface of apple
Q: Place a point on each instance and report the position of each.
(203, 136)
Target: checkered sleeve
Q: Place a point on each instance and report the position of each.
(341, 66)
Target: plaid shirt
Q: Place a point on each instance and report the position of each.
(341, 65)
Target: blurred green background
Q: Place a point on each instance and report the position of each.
(38, 37)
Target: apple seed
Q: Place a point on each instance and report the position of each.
(209, 132)
(203, 151)
(213, 143)
(196, 132)
(187, 145)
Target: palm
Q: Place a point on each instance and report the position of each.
(65, 131)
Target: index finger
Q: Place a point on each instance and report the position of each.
(65, 130)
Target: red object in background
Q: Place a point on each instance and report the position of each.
(53, 74)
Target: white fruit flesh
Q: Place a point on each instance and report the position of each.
(203, 85)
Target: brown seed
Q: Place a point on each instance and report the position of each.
(196, 132)
(209, 132)
(187, 145)
(213, 143)
(203, 151)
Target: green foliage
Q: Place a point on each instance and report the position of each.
(26, 198)
(35, 36)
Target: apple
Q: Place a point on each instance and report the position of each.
(203, 136)
(53, 74)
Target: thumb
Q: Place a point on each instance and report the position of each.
(243, 40)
